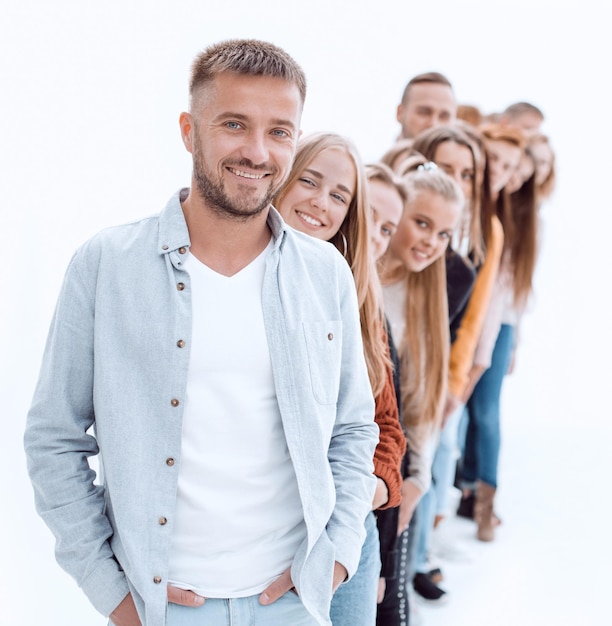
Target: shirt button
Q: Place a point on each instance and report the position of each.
(170, 462)
(164, 247)
(330, 336)
(163, 521)
(174, 402)
(157, 579)
(182, 250)
(180, 343)
(180, 286)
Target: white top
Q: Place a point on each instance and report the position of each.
(420, 439)
(239, 518)
(394, 296)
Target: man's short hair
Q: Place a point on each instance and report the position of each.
(518, 108)
(433, 78)
(249, 57)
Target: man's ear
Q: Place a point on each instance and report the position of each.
(400, 112)
(186, 124)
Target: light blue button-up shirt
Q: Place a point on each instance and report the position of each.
(116, 360)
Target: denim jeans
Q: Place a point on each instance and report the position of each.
(354, 602)
(445, 461)
(435, 500)
(426, 512)
(288, 609)
(483, 438)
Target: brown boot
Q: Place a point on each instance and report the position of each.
(483, 512)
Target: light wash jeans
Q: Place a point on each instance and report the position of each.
(354, 603)
(445, 461)
(483, 438)
(288, 610)
(435, 500)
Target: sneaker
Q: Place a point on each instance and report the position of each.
(446, 545)
(428, 590)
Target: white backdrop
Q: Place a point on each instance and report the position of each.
(90, 97)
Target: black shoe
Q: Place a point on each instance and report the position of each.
(428, 590)
(466, 505)
(435, 575)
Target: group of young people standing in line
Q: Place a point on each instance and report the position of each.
(453, 223)
(441, 238)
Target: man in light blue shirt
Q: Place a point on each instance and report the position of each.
(117, 379)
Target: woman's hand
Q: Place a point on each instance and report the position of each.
(382, 587)
(381, 495)
(411, 495)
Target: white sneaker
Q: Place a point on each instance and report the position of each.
(447, 547)
(454, 497)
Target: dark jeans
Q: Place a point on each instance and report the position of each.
(394, 609)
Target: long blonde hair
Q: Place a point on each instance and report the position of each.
(353, 241)
(425, 345)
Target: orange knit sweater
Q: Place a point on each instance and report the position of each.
(392, 442)
(464, 346)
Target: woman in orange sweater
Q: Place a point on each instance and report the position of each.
(326, 197)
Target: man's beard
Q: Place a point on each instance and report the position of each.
(241, 208)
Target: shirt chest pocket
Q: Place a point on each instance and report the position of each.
(324, 349)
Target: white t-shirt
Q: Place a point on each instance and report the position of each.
(394, 297)
(239, 518)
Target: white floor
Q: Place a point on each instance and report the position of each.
(550, 562)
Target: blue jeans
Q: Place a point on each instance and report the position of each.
(435, 500)
(288, 609)
(483, 438)
(354, 602)
(426, 512)
(445, 461)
